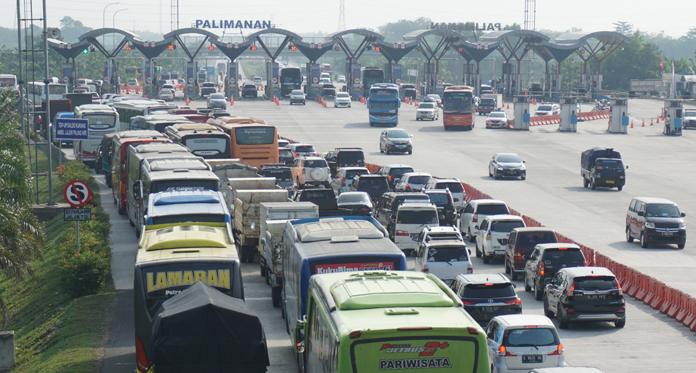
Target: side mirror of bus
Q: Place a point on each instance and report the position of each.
(136, 191)
(298, 335)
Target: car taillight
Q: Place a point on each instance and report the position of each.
(469, 303)
(516, 301)
(488, 236)
(469, 269)
(402, 233)
(364, 208)
(541, 268)
(143, 364)
(408, 186)
(502, 351)
(584, 263)
(618, 286)
(426, 268)
(570, 291)
(475, 218)
(559, 350)
(518, 255)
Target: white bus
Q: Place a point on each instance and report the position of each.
(36, 92)
(129, 109)
(102, 119)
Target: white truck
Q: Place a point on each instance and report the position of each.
(247, 218)
(244, 183)
(490, 102)
(274, 215)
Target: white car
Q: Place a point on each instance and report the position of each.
(428, 110)
(444, 258)
(311, 171)
(341, 79)
(166, 95)
(412, 182)
(548, 109)
(497, 119)
(342, 99)
(258, 80)
(474, 213)
(689, 120)
(493, 234)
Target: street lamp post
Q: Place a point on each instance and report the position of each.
(104, 17)
(113, 23)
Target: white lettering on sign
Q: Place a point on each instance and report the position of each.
(223, 24)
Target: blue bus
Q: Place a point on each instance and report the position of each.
(383, 104)
(370, 76)
(330, 245)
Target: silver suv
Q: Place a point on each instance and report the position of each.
(311, 170)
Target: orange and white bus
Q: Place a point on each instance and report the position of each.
(457, 107)
(253, 141)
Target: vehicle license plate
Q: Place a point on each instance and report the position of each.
(610, 181)
(401, 146)
(532, 358)
(595, 296)
(490, 309)
(667, 233)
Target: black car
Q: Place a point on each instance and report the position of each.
(507, 165)
(358, 202)
(286, 156)
(585, 294)
(442, 198)
(655, 221)
(547, 259)
(249, 90)
(328, 90)
(345, 157)
(374, 185)
(486, 296)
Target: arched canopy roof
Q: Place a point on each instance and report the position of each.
(418, 35)
(68, 50)
(526, 35)
(278, 31)
(103, 31)
(191, 30)
(369, 37)
(475, 51)
(577, 39)
(515, 43)
(550, 51)
(367, 34)
(394, 52)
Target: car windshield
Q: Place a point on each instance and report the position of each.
(418, 180)
(488, 291)
(399, 134)
(353, 197)
(438, 198)
(497, 115)
(544, 108)
(662, 210)
(342, 95)
(448, 254)
(350, 174)
(506, 226)
(217, 96)
(284, 152)
(609, 164)
(397, 172)
(509, 158)
(568, 257)
(595, 283)
(690, 113)
(434, 96)
(316, 163)
(420, 217)
(297, 92)
(373, 183)
(492, 209)
(426, 105)
(530, 337)
(283, 174)
(530, 239)
(453, 187)
(305, 149)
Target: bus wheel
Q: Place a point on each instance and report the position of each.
(275, 296)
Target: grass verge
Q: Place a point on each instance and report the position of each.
(54, 331)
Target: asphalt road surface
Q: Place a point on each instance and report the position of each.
(659, 166)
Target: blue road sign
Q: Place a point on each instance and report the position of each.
(72, 129)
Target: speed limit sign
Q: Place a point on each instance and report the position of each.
(190, 80)
(77, 193)
(357, 80)
(315, 80)
(439, 82)
(274, 80)
(149, 80)
(232, 80)
(66, 79)
(398, 81)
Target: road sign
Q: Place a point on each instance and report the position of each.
(66, 79)
(149, 80)
(69, 46)
(72, 129)
(190, 80)
(398, 81)
(357, 80)
(315, 80)
(232, 80)
(439, 82)
(77, 214)
(320, 45)
(311, 46)
(77, 193)
(274, 80)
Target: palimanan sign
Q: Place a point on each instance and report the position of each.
(224, 23)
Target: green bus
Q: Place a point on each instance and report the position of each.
(387, 321)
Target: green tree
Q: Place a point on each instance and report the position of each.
(72, 29)
(638, 60)
(21, 234)
(395, 31)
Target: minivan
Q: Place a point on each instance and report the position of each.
(655, 220)
(547, 259)
(474, 213)
(444, 258)
(520, 243)
(488, 295)
(388, 205)
(494, 231)
(411, 216)
(455, 187)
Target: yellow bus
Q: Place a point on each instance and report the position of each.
(172, 258)
(253, 141)
(387, 321)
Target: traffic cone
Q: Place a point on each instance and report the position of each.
(643, 123)
(188, 100)
(416, 103)
(508, 106)
(631, 123)
(651, 121)
(231, 100)
(658, 120)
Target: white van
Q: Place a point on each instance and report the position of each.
(411, 217)
(474, 213)
(493, 234)
(445, 259)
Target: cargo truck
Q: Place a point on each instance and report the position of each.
(247, 217)
(274, 215)
(602, 167)
(490, 102)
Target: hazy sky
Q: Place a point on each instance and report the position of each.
(300, 16)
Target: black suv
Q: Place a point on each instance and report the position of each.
(345, 157)
(393, 172)
(585, 294)
(388, 205)
(486, 296)
(249, 90)
(374, 185)
(546, 260)
(442, 198)
(655, 220)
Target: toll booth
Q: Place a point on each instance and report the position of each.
(353, 80)
(232, 81)
(521, 112)
(618, 120)
(272, 79)
(313, 88)
(191, 89)
(569, 115)
(673, 117)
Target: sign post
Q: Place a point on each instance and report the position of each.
(77, 193)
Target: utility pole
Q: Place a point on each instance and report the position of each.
(342, 16)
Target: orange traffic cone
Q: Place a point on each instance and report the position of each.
(188, 100)
(658, 120)
(231, 100)
(631, 123)
(643, 123)
(651, 121)
(508, 106)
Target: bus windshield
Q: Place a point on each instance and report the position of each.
(208, 146)
(183, 185)
(384, 93)
(100, 121)
(8, 82)
(254, 135)
(383, 104)
(457, 102)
